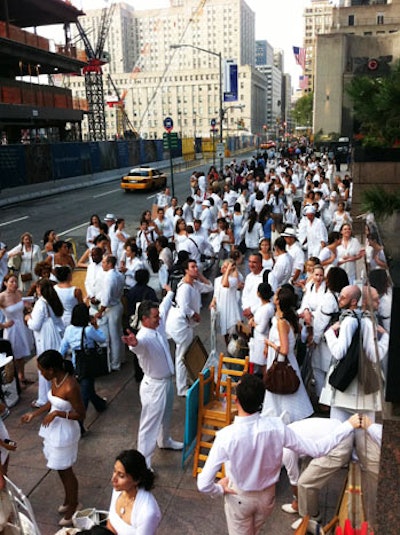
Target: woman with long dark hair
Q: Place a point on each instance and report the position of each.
(93, 230)
(46, 323)
(281, 343)
(133, 508)
(60, 428)
(72, 339)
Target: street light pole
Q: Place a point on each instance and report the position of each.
(221, 110)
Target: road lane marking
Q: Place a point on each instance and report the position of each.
(106, 193)
(14, 221)
(72, 229)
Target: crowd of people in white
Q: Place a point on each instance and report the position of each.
(270, 240)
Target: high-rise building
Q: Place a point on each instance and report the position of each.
(183, 83)
(317, 20)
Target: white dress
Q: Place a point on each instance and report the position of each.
(18, 335)
(351, 248)
(262, 316)
(68, 300)
(227, 304)
(298, 405)
(60, 437)
(145, 516)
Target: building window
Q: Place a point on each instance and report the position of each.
(351, 20)
(379, 18)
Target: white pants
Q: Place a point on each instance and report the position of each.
(43, 390)
(182, 341)
(246, 512)
(156, 396)
(111, 325)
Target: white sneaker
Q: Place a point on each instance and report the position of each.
(313, 526)
(172, 445)
(288, 508)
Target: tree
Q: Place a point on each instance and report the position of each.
(376, 104)
(303, 110)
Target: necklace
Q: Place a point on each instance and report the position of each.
(59, 385)
(123, 508)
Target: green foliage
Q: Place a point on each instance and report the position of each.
(303, 110)
(380, 202)
(376, 102)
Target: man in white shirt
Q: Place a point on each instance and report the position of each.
(250, 299)
(185, 316)
(111, 309)
(295, 251)
(251, 449)
(164, 225)
(313, 232)
(282, 270)
(157, 388)
(206, 216)
(110, 220)
(170, 211)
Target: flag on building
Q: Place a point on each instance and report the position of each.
(303, 82)
(300, 56)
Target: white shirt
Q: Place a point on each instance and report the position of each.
(152, 349)
(132, 265)
(282, 269)
(93, 280)
(112, 288)
(315, 232)
(188, 298)
(252, 448)
(250, 298)
(165, 226)
(296, 252)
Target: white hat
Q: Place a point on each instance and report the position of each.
(309, 209)
(4, 360)
(110, 217)
(206, 203)
(289, 232)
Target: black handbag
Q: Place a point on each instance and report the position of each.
(347, 368)
(91, 362)
(281, 378)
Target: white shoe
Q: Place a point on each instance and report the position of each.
(296, 523)
(288, 508)
(172, 445)
(313, 526)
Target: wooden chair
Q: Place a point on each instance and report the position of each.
(216, 406)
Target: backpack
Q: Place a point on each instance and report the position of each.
(347, 368)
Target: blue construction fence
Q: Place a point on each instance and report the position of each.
(43, 162)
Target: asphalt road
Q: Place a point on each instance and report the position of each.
(69, 213)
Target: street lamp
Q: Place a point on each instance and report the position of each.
(221, 111)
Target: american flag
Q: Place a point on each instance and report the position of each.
(300, 56)
(303, 82)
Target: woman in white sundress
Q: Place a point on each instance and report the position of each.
(282, 339)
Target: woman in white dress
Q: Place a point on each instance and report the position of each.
(340, 217)
(225, 297)
(46, 323)
(328, 255)
(282, 339)
(15, 330)
(30, 255)
(93, 230)
(60, 428)
(237, 222)
(348, 252)
(69, 295)
(121, 236)
(261, 323)
(133, 508)
(130, 263)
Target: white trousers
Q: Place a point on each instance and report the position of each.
(111, 325)
(246, 512)
(182, 341)
(156, 396)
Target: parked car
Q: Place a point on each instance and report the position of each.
(143, 178)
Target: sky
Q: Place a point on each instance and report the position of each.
(281, 25)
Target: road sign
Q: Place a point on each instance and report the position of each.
(168, 124)
(170, 141)
(220, 150)
(213, 122)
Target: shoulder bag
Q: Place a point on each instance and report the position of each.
(281, 377)
(91, 362)
(347, 368)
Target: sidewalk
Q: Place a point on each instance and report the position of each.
(185, 511)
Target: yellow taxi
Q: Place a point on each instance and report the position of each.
(143, 178)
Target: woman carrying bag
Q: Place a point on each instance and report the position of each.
(23, 258)
(84, 327)
(46, 323)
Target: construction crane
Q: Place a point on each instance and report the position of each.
(93, 74)
(125, 127)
